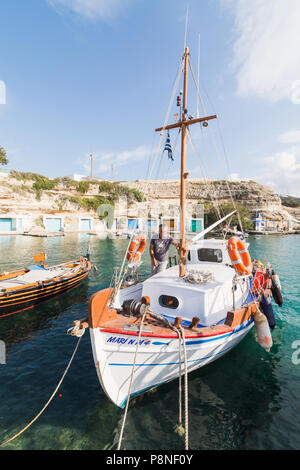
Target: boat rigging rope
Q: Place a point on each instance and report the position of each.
(211, 193)
(118, 279)
(175, 85)
(186, 417)
(131, 382)
(50, 399)
(216, 149)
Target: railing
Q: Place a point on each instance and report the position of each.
(171, 260)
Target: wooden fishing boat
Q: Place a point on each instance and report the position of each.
(25, 288)
(144, 333)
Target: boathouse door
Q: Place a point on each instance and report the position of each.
(53, 224)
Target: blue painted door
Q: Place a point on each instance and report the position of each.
(151, 225)
(132, 224)
(5, 225)
(20, 225)
(85, 224)
(53, 225)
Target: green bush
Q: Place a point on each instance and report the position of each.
(106, 187)
(115, 190)
(68, 182)
(43, 183)
(89, 204)
(3, 157)
(83, 187)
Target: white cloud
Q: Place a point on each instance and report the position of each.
(282, 171)
(290, 137)
(237, 177)
(2, 92)
(267, 48)
(103, 161)
(104, 10)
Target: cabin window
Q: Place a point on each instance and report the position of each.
(211, 255)
(189, 256)
(168, 301)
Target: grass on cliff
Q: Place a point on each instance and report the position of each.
(87, 203)
(110, 191)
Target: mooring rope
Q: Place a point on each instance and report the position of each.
(50, 399)
(186, 417)
(179, 429)
(130, 384)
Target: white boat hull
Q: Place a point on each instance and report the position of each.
(157, 360)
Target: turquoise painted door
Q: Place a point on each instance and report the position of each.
(85, 224)
(53, 225)
(5, 225)
(196, 225)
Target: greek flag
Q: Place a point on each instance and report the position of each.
(168, 147)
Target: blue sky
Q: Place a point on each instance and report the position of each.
(82, 74)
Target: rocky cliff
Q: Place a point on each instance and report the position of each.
(23, 198)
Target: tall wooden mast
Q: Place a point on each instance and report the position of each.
(183, 174)
(184, 123)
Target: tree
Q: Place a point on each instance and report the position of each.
(211, 215)
(3, 157)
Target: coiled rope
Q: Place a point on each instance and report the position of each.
(50, 399)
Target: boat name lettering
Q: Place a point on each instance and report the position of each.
(131, 342)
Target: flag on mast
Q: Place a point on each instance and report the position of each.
(168, 147)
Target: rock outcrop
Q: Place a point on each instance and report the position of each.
(19, 199)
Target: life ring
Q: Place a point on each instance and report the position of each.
(136, 248)
(239, 256)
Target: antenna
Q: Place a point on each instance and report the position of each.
(198, 75)
(186, 24)
(112, 172)
(91, 157)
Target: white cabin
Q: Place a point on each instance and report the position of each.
(210, 301)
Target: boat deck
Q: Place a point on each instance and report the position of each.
(154, 327)
(33, 276)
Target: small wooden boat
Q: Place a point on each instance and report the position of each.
(25, 288)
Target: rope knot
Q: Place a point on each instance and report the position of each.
(76, 330)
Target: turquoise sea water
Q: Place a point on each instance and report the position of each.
(249, 399)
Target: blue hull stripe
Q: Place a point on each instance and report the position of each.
(165, 381)
(169, 363)
(187, 322)
(188, 343)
